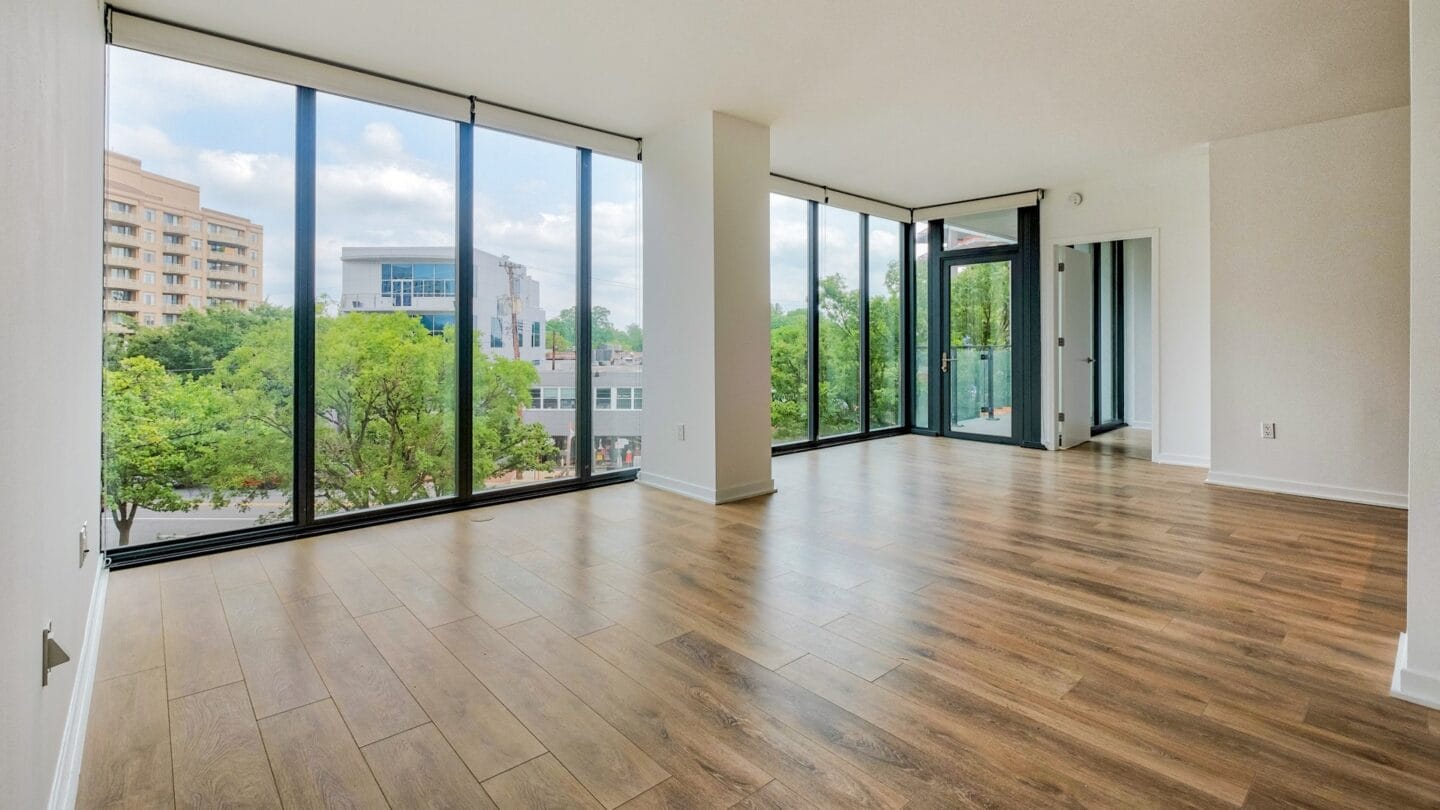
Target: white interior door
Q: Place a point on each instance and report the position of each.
(1077, 321)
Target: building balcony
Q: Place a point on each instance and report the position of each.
(122, 283)
(129, 218)
(127, 240)
(396, 302)
(175, 309)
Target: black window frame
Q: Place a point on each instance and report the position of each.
(813, 440)
(305, 523)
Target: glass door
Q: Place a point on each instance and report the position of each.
(977, 361)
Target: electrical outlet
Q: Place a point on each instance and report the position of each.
(680, 431)
(1267, 430)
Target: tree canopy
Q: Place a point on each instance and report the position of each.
(212, 413)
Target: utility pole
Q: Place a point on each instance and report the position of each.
(512, 301)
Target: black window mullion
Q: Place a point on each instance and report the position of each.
(938, 328)
(1095, 360)
(907, 327)
(584, 452)
(464, 310)
(813, 316)
(864, 312)
(303, 433)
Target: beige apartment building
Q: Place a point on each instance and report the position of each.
(164, 253)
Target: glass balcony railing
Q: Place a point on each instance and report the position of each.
(980, 385)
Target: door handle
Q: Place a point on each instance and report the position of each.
(944, 363)
(1089, 359)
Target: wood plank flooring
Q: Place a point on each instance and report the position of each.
(908, 622)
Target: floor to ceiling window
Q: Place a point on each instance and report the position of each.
(199, 327)
(617, 334)
(838, 292)
(839, 322)
(789, 319)
(1107, 411)
(320, 308)
(920, 323)
(885, 320)
(525, 397)
(385, 343)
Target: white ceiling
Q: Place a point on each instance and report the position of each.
(915, 102)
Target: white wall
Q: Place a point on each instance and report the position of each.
(1138, 355)
(1309, 249)
(1169, 200)
(1418, 663)
(707, 308)
(51, 140)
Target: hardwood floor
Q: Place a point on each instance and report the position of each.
(907, 622)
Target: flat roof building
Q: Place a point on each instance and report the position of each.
(165, 254)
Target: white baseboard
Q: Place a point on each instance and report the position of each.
(1136, 424)
(707, 494)
(66, 785)
(1408, 684)
(1181, 460)
(1394, 500)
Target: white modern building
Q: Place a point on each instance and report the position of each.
(421, 280)
(509, 322)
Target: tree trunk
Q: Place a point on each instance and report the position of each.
(123, 524)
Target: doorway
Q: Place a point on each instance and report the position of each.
(978, 303)
(1105, 336)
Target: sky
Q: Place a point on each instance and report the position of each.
(384, 177)
(839, 248)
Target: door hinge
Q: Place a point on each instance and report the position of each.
(1062, 267)
(1062, 342)
(1062, 416)
(51, 655)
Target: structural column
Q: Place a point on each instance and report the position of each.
(1417, 665)
(707, 308)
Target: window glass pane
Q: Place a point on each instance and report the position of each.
(617, 337)
(885, 321)
(384, 384)
(922, 324)
(982, 230)
(839, 307)
(980, 350)
(789, 319)
(602, 399)
(1105, 338)
(524, 273)
(197, 391)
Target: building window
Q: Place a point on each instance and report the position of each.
(497, 334)
(535, 398)
(122, 252)
(194, 264)
(602, 399)
(551, 399)
(149, 214)
(149, 276)
(535, 334)
(174, 219)
(120, 207)
(122, 295)
(171, 258)
(150, 299)
(149, 319)
(195, 245)
(149, 256)
(622, 399)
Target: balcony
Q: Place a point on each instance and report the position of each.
(130, 217)
(122, 261)
(112, 283)
(396, 302)
(174, 309)
(126, 239)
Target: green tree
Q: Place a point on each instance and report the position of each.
(157, 430)
(789, 374)
(199, 338)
